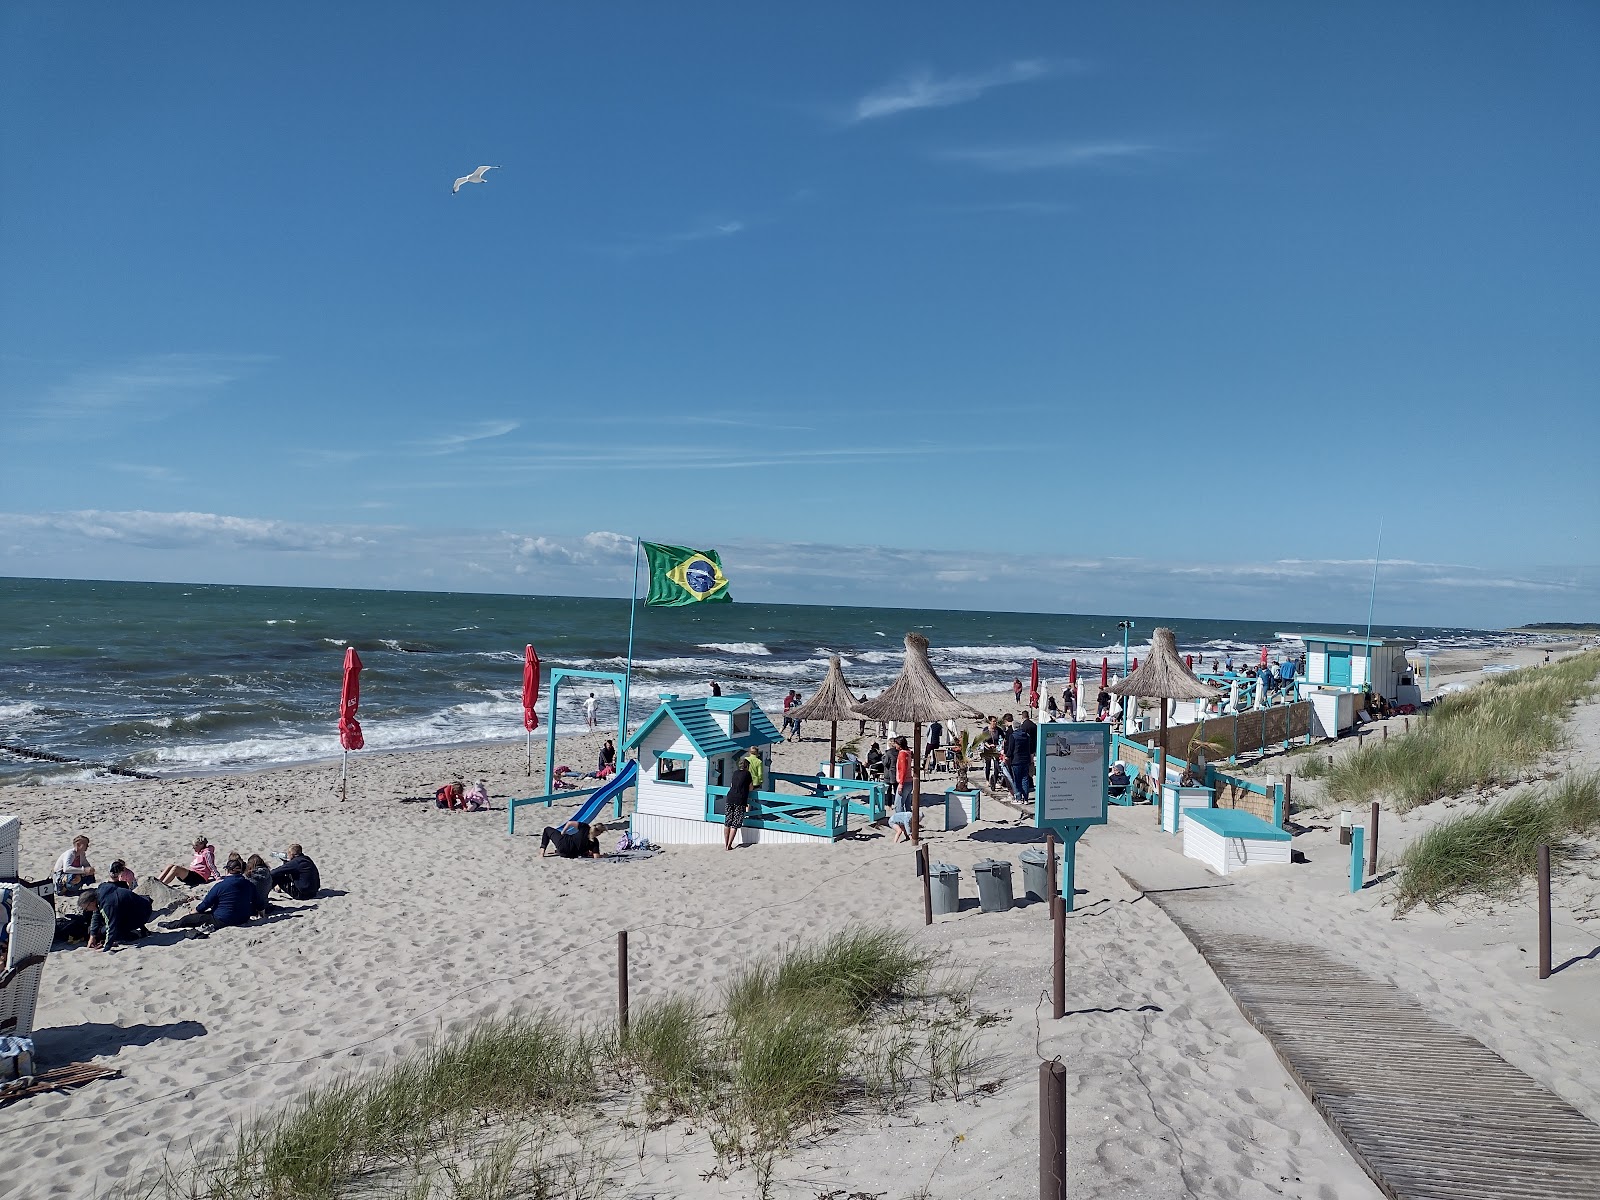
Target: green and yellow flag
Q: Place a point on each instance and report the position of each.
(679, 575)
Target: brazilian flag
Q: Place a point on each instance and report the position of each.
(679, 575)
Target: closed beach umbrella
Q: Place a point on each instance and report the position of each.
(1072, 673)
(917, 695)
(834, 702)
(349, 728)
(1163, 677)
(1261, 690)
(1188, 661)
(1033, 686)
(1263, 656)
(1135, 664)
(1105, 671)
(530, 697)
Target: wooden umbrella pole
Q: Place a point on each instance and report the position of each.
(1161, 771)
(833, 749)
(916, 783)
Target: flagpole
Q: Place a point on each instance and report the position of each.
(1372, 599)
(633, 605)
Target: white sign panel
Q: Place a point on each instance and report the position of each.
(1074, 784)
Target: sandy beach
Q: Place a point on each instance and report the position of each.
(431, 920)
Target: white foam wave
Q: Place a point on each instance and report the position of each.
(498, 655)
(755, 648)
(21, 711)
(336, 641)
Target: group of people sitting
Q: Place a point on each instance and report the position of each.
(111, 912)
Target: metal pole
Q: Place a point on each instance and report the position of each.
(622, 981)
(1544, 912)
(530, 753)
(627, 677)
(1372, 848)
(1053, 890)
(1052, 1131)
(1373, 599)
(344, 767)
(927, 885)
(1058, 977)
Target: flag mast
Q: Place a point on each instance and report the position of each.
(633, 605)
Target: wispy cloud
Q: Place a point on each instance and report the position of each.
(1025, 208)
(1048, 156)
(923, 89)
(480, 431)
(101, 400)
(150, 471)
(666, 243)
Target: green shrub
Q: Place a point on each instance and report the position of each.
(1492, 852)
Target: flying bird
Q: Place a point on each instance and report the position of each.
(475, 177)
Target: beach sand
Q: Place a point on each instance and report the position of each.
(433, 919)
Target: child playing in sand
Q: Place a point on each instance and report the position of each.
(202, 867)
(476, 798)
(74, 871)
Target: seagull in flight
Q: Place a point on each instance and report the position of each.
(475, 177)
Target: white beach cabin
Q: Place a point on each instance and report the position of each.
(1341, 667)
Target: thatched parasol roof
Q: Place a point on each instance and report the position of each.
(1163, 674)
(834, 700)
(916, 694)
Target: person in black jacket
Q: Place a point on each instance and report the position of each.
(232, 900)
(575, 839)
(738, 803)
(298, 876)
(1020, 745)
(117, 913)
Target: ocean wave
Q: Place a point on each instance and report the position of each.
(21, 711)
(750, 648)
(336, 641)
(880, 656)
(498, 655)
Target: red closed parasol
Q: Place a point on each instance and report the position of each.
(1105, 672)
(1188, 661)
(1263, 656)
(530, 697)
(1033, 686)
(1072, 673)
(349, 728)
(1136, 664)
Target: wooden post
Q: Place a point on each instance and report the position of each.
(916, 788)
(1053, 890)
(1407, 720)
(1058, 982)
(1386, 733)
(927, 885)
(1161, 771)
(1052, 1131)
(622, 981)
(1544, 912)
(1288, 794)
(1372, 845)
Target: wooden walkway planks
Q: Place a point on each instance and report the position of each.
(1429, 1113)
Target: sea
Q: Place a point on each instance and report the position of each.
(187, 679)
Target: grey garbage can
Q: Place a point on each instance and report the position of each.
(945, 881)
(1036, 872)
(994, 884)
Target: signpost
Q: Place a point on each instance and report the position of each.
(1074, 759)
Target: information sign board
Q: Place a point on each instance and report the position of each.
(1074, 761)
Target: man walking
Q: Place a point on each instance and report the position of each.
(1020, 743)
(589, 707)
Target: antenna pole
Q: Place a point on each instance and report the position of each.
(1372, 599)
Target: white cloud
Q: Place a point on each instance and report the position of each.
(1044, 156)
(666, 243)
(97, 402)
(922, 89)
(191, 546)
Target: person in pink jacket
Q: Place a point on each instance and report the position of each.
(201, 869)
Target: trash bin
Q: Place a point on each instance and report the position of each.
(994, 884)
(945, 881)
(1036, 872)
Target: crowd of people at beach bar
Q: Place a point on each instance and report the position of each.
(111, 911)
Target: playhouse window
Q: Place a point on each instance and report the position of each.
(740, 722)
(672, 770)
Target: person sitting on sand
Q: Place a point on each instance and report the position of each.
(298, 876)
(117, 913)
(476, 797)
(559, 776)
(608, 756)
(232, 900)
(73, 870)
(120, 873)
(258, 873)
(201, 869)
(572, 840)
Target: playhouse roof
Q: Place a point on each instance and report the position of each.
(1349, 639)
(693, 717)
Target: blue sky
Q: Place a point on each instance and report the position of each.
(910, 303)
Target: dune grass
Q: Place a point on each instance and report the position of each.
(532, 1107)
(1494, 851)
(1491, 734)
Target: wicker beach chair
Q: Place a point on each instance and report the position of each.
(10, 847)
(32, 930)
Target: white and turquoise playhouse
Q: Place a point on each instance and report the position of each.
(686, 752)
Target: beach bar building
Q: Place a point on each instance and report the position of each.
(1341, 667)
(687, 750)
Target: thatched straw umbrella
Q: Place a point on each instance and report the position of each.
(917, 695)
(1163, 676)
(834, 702)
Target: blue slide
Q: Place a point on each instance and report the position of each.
(625, 778)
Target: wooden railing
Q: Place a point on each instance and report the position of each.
(826, 815)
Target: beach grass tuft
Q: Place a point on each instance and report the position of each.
(1490, 734)
(526, 1105)
(1494, 851)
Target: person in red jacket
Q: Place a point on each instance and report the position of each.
(905, 772)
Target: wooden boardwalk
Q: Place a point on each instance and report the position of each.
(1428, 1112)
